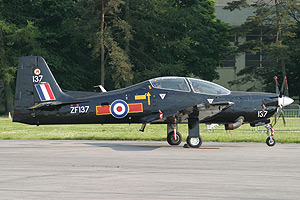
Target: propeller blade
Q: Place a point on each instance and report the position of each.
(276, 116)
(263, 105)
(276, 85)
(287, 87)
(284, 87)
(282, 114)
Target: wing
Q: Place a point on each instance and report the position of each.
(202, 111)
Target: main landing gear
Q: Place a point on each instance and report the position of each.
(270, 131)
(193, 140)
(174, 138)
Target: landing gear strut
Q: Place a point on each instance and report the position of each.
(174, 137)
(270, 140)
(194, 139)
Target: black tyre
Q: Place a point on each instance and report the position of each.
(194, 141)
(270, 142)
(174, 141)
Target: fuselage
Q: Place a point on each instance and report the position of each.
(145, 101)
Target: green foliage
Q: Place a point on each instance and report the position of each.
(293, 64)
(143, 39)
(176, 38)
(15, 41)
(120, 66)
(115, 30)
(273, 21)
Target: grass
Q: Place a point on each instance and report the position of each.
(9, 131)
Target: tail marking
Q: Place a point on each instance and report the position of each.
(45, 92)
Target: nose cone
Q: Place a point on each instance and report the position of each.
(285, 101)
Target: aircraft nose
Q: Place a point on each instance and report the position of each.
(285, 101)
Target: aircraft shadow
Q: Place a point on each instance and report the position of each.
(125, 147)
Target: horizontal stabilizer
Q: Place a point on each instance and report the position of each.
(54, 103)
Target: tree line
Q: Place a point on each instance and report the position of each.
(277, 25)
(117, 43)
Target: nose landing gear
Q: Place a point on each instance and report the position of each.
(270, 131)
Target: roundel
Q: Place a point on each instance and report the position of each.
(37, 71)
(119, 108)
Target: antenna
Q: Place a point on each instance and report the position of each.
(101, 88)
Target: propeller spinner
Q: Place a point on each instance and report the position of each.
(282, 100)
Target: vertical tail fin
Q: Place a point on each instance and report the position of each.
(35, 84)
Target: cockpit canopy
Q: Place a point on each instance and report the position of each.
(201, 86)
(188, 84)
(171, 83)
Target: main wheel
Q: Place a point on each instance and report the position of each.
(174, 141)
(194, 141)
(270, 142)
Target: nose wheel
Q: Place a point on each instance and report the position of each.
(271, 141)
(270, 131)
